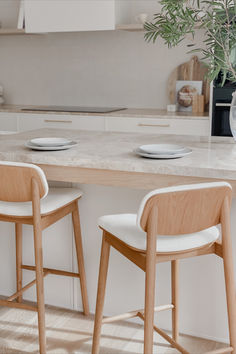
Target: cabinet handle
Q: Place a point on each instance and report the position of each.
(57, 121)
(223, 104)
(154, 125)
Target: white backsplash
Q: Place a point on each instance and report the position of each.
(113, 68)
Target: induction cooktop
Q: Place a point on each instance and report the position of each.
(74, 109)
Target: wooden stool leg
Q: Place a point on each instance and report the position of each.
(80, 259)
(175, 298)
(38, 253)
(40, 288)
(231, 299)
(149, 308)
(18, 233)
(104, 259)
(150, 289)
(229, 273)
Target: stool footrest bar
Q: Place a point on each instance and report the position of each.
(26, 287)
(131, 314)
(18, 305)
(221, 350)
(166, 337)
(52, 271)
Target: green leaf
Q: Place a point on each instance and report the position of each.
(178, 18)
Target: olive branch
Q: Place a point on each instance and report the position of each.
(217, 18)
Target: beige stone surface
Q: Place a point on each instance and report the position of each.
(211, 157)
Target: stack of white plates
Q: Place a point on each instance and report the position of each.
(50, 144)
(163, 151)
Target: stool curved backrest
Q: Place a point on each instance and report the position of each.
(16, 181)
(184, 209)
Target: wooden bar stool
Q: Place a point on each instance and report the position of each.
(25, 199)
(171, 224)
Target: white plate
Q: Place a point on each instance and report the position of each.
(161, 149)
(31, 146)
(50, 141)
(183, 153)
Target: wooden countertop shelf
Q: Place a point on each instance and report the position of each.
(7, 31)
(132, 27)
(136, 27)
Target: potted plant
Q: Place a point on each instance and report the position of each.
(217, 18)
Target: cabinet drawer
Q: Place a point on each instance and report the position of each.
(8, 121)
(69, 15)
(36, 121)
(159, 126)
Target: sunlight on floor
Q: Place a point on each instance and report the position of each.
(71, 332)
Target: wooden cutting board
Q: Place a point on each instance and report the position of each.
(193, 70)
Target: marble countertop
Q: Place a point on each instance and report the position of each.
(213, 157)
(126, 113)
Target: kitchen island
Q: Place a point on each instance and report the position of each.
(114, 180)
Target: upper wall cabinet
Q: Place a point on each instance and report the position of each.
(69, 15)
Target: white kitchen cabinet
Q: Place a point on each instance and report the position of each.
(30, 121)
(159, 125)
(8, 121)
(69, 15)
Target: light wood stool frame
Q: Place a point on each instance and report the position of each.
(41, 222)
(154, 222)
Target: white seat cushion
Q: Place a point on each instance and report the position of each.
(56, 198)
(124, 227)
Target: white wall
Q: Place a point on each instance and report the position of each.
(9, 12)
(90, 68)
